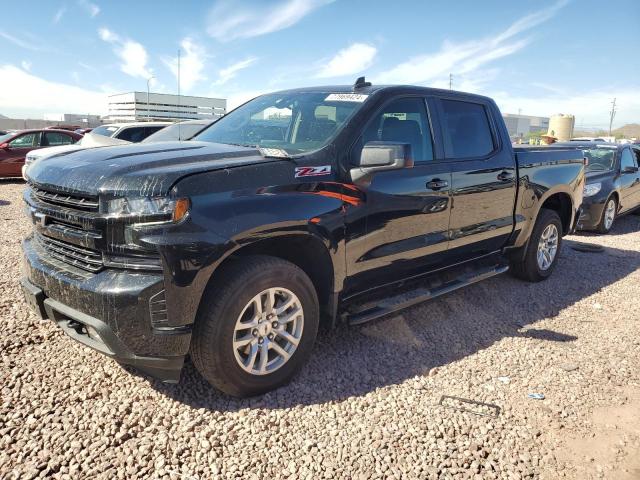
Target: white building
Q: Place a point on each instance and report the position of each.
(135, 106)
(81, 119)
(522, 125)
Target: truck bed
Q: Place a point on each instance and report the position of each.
(532, 155)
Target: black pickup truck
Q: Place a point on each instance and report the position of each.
(299, 208)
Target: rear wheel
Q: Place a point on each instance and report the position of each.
(256, 327)
(608, 216)
(543, 248)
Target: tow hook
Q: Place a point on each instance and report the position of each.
(77, 326)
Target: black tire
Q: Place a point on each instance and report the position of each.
(601, 227)
(224, 300)
(528, 269)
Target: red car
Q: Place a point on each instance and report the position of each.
(15, 146)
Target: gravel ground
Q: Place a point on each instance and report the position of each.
(367, 405)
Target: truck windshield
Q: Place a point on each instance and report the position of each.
(296, 122)
(600, 159)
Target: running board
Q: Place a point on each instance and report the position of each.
(419, 295)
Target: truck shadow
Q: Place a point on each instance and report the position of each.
(353, 361)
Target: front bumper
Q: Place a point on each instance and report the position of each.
(591, 215)
(576, 220)
(109, 311)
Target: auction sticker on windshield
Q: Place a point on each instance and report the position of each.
(346, 97)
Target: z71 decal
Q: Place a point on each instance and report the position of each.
(312, 171)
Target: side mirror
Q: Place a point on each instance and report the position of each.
(380, 156)
(4, 146)
(629, 169)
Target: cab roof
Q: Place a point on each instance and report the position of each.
(389, 89)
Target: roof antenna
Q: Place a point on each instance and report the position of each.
(361, 83)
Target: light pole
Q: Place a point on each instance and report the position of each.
(148, 80)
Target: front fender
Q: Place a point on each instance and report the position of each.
(222, 222)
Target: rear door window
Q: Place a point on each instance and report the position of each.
(466, 129)
(133, 134)
(151, 130)
(52, 139)
(627, 159)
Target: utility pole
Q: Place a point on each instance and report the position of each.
(613, 114)
(148, 80)
(179, 113)
(451, 81)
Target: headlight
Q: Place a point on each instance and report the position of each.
(591, 189)
(176, 208)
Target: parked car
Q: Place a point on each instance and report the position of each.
(15, 146)
(298, 207)
(612, 186)
(131, 132)
(117, 134)
(178, 131)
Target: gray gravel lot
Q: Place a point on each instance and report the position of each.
(366, 406)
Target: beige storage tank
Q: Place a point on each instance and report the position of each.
(561, 126)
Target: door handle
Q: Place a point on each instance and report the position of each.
(505, 176)
(437, 184)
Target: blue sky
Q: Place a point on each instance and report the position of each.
(540, 58)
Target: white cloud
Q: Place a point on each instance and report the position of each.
(353, 59)
(91, 8)
(22, 93)
(107, 35)
(20, 42)
(86, 66)
(26, 65)
(460, 58)
(235, 99)
(229, 73)
(229, 20)
(134, 59)
(192, 59)
(59, 14)
(133, 55)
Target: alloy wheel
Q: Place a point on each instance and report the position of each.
(268, 331)
(548, 246)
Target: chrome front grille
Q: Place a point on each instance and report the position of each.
(80, 202)
(81, 257)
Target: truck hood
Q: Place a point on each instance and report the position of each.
(136, 169)
(599, 176)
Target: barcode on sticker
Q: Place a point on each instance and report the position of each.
(346, 97)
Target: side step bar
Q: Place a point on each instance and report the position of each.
(419, 295)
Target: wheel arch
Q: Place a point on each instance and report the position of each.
(304, 250)
(562, 203)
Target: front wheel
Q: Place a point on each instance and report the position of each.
(543, 248)
(608, 216)
(256, 327)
